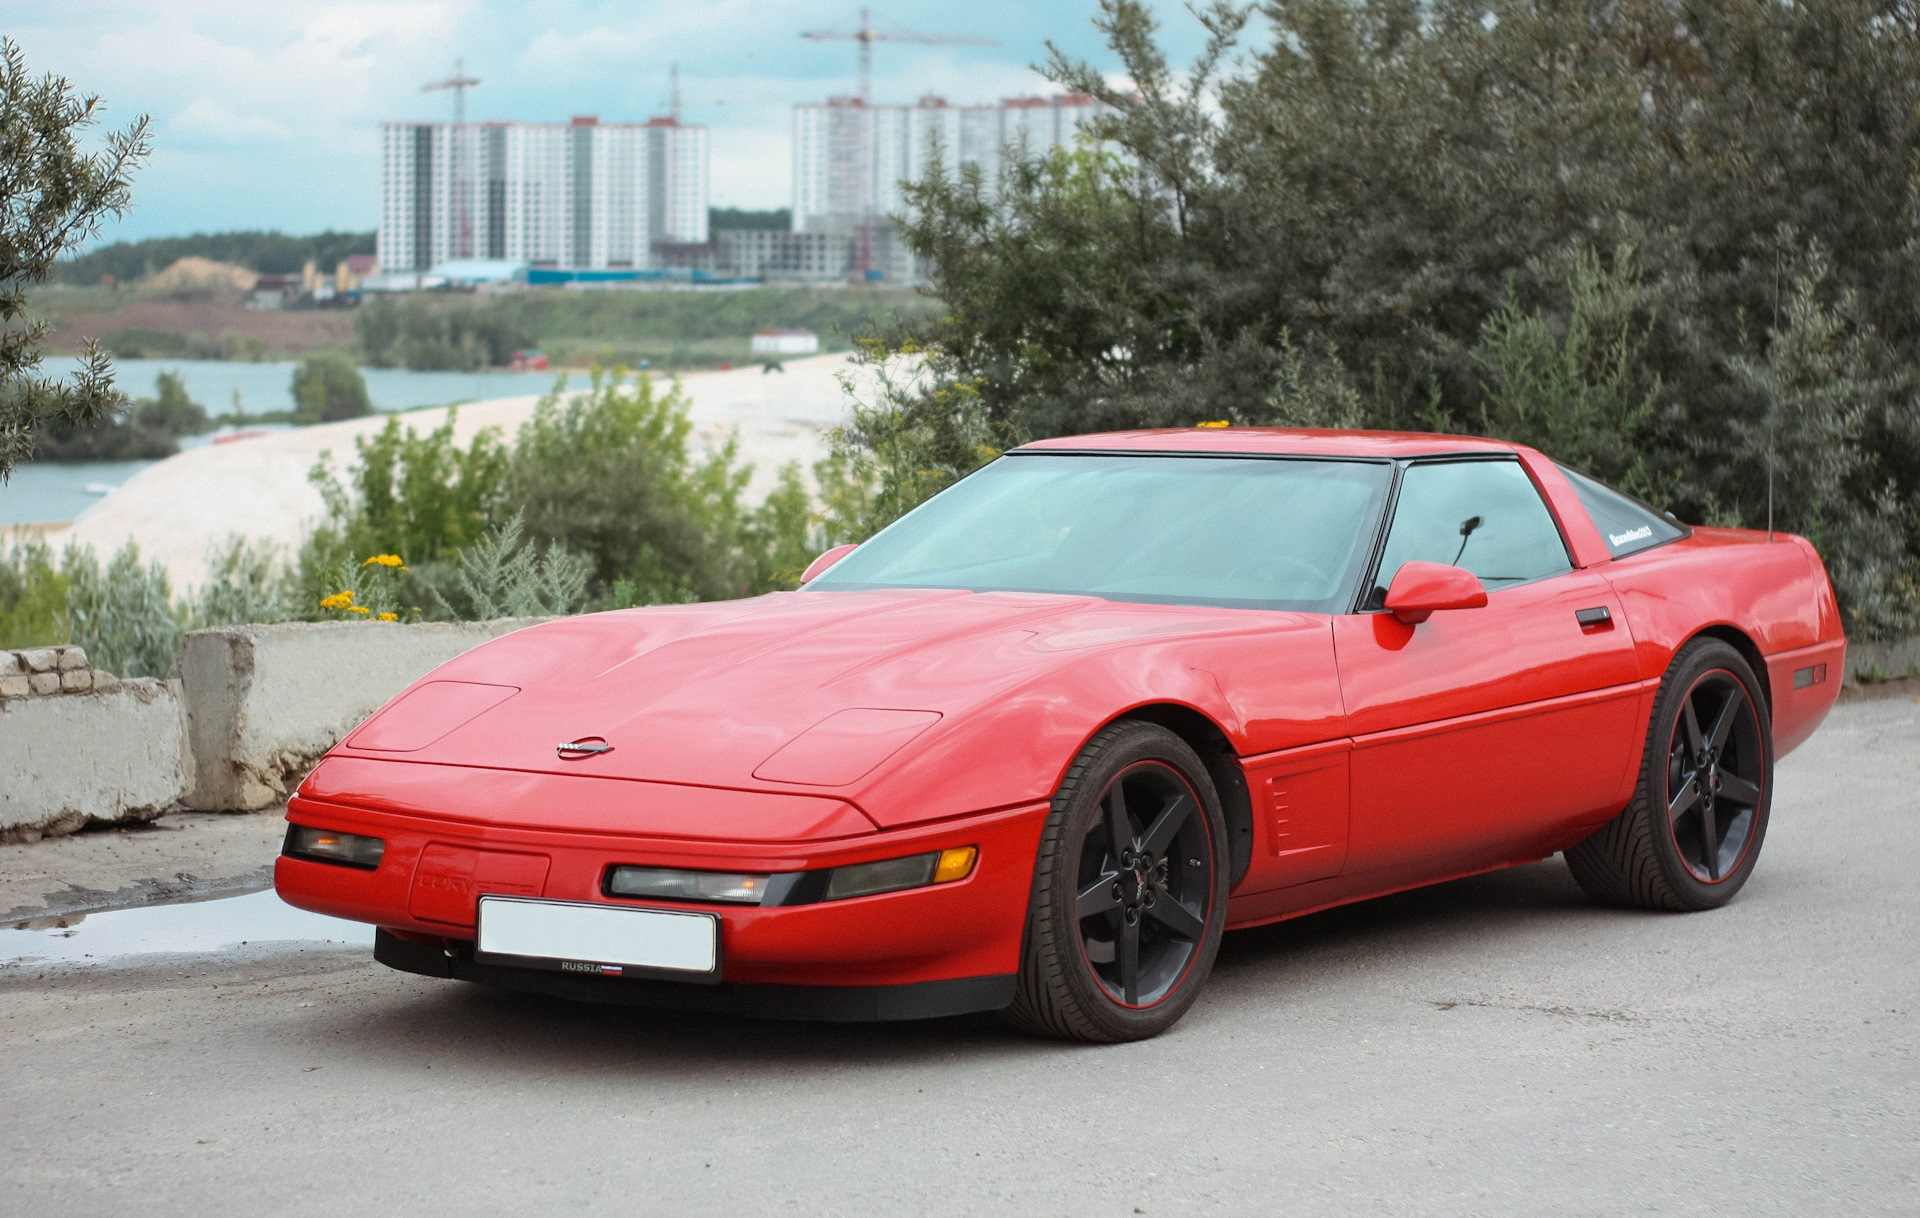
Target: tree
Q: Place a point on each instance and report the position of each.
(611, 473)
(1418, 209)
(53, 197)
(171, 410)
(328, 387)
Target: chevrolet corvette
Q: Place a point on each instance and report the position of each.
(1037, 745)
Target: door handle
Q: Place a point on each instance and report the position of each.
(1593, 619)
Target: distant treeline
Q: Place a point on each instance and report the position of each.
(720, 218)
(270, 253)
(669, 329)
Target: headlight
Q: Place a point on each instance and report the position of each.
(687, 885)
(794, 887)
(332, 846)
(892, 875)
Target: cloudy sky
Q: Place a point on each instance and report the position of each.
(266, 112)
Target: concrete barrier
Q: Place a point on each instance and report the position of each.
(1879, 661)
(264, 702)
(79, 757)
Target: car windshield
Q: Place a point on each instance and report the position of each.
(1241, 532)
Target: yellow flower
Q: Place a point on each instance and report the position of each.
(339, 600)
(385, 560)
(1220, 423)
(389, 617)
(358, 609)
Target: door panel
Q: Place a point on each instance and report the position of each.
(1481, 730)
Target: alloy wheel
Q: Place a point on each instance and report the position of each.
(1145, 884)
(1715, 768)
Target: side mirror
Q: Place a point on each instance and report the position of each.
(1419, 588)
(820, 564)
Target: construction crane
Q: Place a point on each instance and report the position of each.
(866, 36)
(854, 156)
(457, 84)
(459, 194)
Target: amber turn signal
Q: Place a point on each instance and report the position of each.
(955, 864)
(329, 846)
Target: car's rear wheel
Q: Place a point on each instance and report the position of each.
(1692, 834)
(1129, 893)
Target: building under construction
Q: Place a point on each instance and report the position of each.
(850, 158)
(583, 195)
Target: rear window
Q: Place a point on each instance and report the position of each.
(1627, 525)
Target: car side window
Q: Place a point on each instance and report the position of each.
(1628, 525)
(1485, 516)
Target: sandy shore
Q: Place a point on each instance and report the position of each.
(258, 487)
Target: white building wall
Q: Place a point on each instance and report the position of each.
(689, 157)
(393, 246)
(892, 158)
(539, 219)
(897, 147)
(810, 162)
(536, 172)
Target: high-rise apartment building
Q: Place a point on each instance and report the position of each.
(850, 157)
(583, 195)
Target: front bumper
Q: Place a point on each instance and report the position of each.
(833, 1003)
(433, 869)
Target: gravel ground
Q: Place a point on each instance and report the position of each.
(184, 856)
(1494, 1045)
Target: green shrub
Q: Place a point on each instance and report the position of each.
(121, 614)
(502, 576)
(33, 595)
(610, 474)
(328, 387)
(172, 411)
(603, 480)
(418, 496)
(421, 333)
(247, 584)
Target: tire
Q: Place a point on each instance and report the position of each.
(1654, 857)
(1159, 902)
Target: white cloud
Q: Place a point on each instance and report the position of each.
(590, 53)
(209, 120)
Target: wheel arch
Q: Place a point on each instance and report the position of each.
(1743, 643)
(1216, 752)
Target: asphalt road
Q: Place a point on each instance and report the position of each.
(1495, 1045)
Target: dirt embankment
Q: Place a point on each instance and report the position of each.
(276, 331)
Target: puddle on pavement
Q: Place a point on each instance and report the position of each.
(216, 925)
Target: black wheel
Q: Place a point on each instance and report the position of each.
(1692, 834)
(1129, 891)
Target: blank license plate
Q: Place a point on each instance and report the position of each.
(609, 940)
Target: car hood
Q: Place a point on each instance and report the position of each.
(794, 691)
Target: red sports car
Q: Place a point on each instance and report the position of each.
(1037, 745)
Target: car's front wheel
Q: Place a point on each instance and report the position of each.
(1130, 891)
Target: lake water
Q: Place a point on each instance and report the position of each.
(265, 387)
(45, 491)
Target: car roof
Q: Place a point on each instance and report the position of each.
(1276, 441)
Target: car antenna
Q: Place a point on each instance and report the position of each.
(1773, 398)
(1467, 527)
